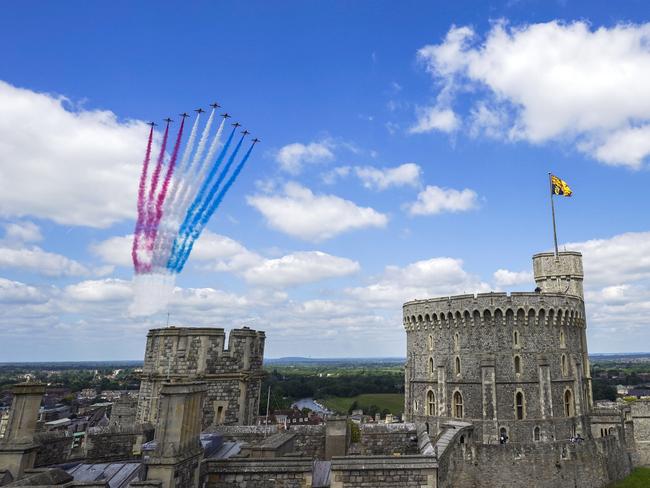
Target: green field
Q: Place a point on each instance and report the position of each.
(640, 478)
(393, 402)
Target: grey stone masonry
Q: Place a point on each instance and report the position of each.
(232, 372)
(509, 363)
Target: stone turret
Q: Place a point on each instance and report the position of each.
(559, 274)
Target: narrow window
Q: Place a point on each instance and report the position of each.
(430, 343)
(219, 415)
(456, 342)
(568, 403)
(519, 405)
(565, 367)
(457, 365)
(517, 365)
(431, 366)
(515, 338)
(431, 403)
(536, 434)
(458, 405)
(562, 339)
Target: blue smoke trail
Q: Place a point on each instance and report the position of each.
(199, 218)
(191, 214)
(215, 205)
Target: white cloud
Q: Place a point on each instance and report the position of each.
(107, 290)
(434, 200)
(433, 277)
(380, 179)
(330, 177)
(504, 277)
(22, 232)
(15, 292)
(293, 157)
(553, 81)
(300, 213)
(435, 118)
(621, 259)
(299, 268)
(46, 263)
(75, 167)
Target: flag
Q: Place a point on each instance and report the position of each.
(560, 187)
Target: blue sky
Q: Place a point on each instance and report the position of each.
(405, 154)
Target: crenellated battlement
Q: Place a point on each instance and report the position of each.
(493, 309)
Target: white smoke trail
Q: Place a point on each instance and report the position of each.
(167, 228)
(151, 293)
(193, 189)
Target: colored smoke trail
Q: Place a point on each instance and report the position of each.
(215, 205)
(201, 217)
(141, 193)
(160, 200)
(193, 211)
(168, 227)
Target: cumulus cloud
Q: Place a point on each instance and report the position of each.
(75, 167)
(42, 262)
(15, 292)
(407, 174)
(435, 118)
(22, 232)
(293, 157)
(504, 277)
(441, 276)
(300, 213)
(550, 81)
(107, 290)
(299, 268)
(435, 200)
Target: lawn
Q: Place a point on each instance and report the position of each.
(640, 478)
(394, 402)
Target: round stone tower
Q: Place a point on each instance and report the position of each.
(509, 363)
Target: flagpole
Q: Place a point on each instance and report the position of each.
(550, 181)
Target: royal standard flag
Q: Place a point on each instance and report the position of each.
(560, 187)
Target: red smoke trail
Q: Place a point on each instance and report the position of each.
(153, 228)
(141, 191)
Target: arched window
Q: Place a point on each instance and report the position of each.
(568, 403)
(562, 339)
(519, 405)
(517, 365)
(458, 405)
(456, 342)
(537, 434)
(431, 403)
(457, 365)
(430, 343)
(415, 406)
(515, 338)
(431, 366)
(565, 366)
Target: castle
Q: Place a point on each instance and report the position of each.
(497, 390)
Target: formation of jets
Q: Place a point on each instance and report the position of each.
(199, 111)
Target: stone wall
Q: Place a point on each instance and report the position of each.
(54, 448)
(117, 443)
(309, 440)
(232, 371)
(286, 472)
(387, 439)
(383, 472)
(589, 464)
(640, 410)
(251, 434)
